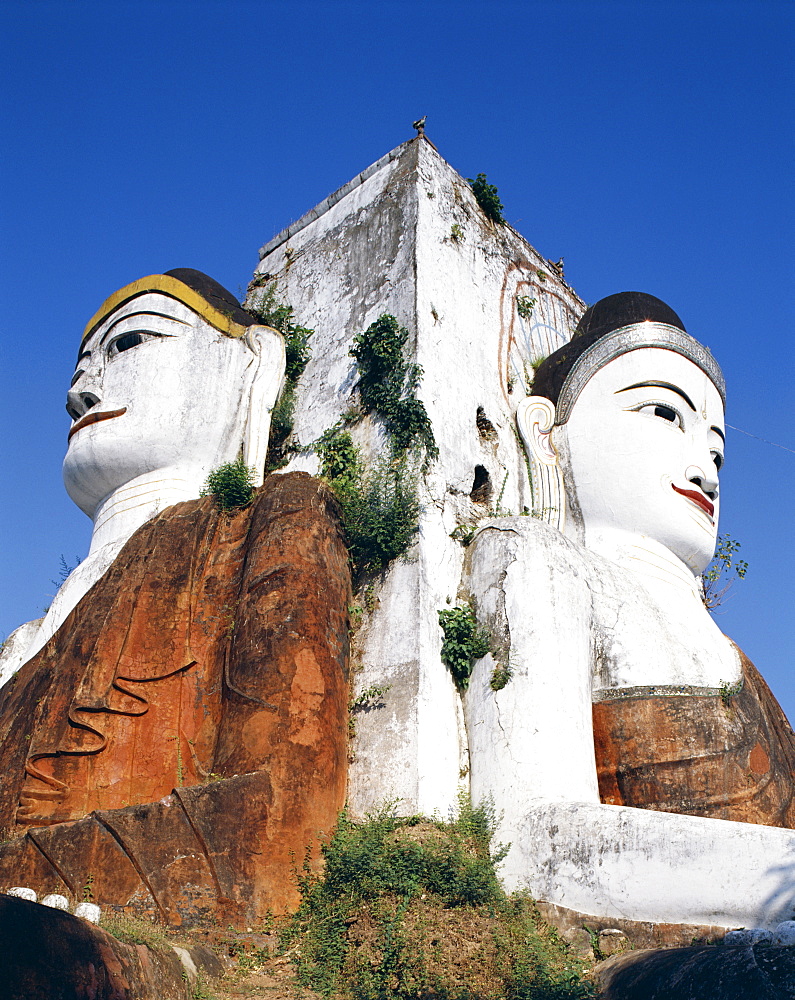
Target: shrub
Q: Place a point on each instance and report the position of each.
(717, 579)
(413, 908)
(463, 642)
(487, 198)
(230, 486)
(379, 505)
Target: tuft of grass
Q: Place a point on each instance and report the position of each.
(231, 486)
(135, 930)
(500, 677)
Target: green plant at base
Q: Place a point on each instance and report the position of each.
(456, 233)
(717, 578)
(379, 505)
(369, 927)
(88, 889)
(464, 642)
(279, 315)
(486, 196)
(388, 385)
(231, 486)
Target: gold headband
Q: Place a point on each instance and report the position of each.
(175, 289)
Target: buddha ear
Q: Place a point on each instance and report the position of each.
(267, 345)
(536, 418)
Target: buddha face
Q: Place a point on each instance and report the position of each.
(641, 453)
(156, 387)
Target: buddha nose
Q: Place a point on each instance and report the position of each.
(79, 402)
(708, 484)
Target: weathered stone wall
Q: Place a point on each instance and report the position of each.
(408, 238)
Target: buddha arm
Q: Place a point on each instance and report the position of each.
(531, 749)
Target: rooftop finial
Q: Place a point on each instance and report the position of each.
(419, 125)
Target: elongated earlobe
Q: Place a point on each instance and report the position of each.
(536, 418)
(267, 345)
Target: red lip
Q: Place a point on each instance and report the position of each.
(93, 418)
(697, 498)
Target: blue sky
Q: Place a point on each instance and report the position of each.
(651, 144)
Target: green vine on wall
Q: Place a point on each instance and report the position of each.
(388, 386)
(270, 312)
(379, 502)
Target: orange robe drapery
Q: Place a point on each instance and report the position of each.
(215, 646)
(726, 756)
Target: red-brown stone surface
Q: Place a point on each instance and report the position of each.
(730, 757)
(46, 954)
(210, 659)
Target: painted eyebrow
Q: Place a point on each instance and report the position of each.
(660, 385)
(720, 433)
(121, 319)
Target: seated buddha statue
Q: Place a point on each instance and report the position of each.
(193, 649)
(641, 765)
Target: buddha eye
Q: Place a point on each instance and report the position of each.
(667, 413)
(125, 342)
(717, 458)
(76, 376)
(663, 411)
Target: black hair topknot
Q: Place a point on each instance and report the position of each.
(211, 291)
(608, 314)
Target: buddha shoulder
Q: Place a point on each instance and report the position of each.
(530, 547)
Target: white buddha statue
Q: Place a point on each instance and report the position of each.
(635, 754)
(173, 379)
(195, 696)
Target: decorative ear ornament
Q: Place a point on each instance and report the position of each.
(536, 419)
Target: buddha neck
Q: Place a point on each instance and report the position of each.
(661, 572)
(128, 507)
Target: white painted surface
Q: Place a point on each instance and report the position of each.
(88, 911)
(15, 647)
(613, 603)
(56, 901)
(187, 963)
(388, 244)
(643, 865)
(186, 399)
(22, 892)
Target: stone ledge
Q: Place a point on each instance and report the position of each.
(639, 933)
